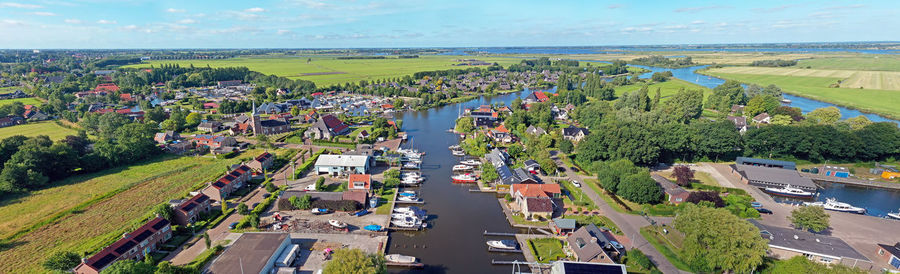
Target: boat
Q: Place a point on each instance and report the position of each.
(407, 209)
(373, 228)
(408, 194)
(411, 165)
(408, 199)
(400, 259)
(786, 101)
(360, 213)
(895, 215)
(407, 222)
(454, 147)
(318, 211)
(789, 191)
(833, 205)
(464, 178)
(503, 244)
(337, 224)
(462, 168)
(458, 153)
(410, 183)
(471, 162)
(404, 215)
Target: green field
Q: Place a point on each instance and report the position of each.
(886, 80)
(666, 89)
(885, 102)
(49, 128)
(5, 90)
(84, 213)
(327, 70)
(883, 62)
(24, 101)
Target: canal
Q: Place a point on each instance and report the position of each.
(453, 243)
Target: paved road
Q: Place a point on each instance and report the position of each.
(629, 224)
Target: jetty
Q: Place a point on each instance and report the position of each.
(850, 181)
(410, 265)
(486, 233)
(492, 249)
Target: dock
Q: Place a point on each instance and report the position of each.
(486, 233)
(409, 202)
(850, 181)
(492, 249)
(517, 262)
(396, 228)
(410, 265)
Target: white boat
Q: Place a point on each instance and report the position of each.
(411, 165)
(454, 147)
(407, 222)
(462, 168)
(337, 224)
(410, 214)
(503, 244)
(895, 215)
(407, 193)
(458, 153)
(789, 191)
(406, 209)
(400, 259)
(471, 162)
(408, 198)
(834, 205)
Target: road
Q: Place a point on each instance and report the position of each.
(629, 224)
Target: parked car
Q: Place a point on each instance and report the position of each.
(617, 245)
(576, 184)
(267, 195)
(311, 187)
(232, 225)
(764, 211)
(254, 205)
(755, 204)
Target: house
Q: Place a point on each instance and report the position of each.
(165, 137)
(270, 108)
(234, 180)
(772, 177)
(189, 211)
(536, 200)
(574, 134)
(327, 127)
(33, 114)
(362, 135)
(562, 226)
(536, 97)
(762, 118)
(262, 162)
(590, 244)
(257, 252)
(675, 193)
(510, 176)
(359, 182)
(890, 254)
(179, 147)
(785, 243)
(536, 208)
(740, 123)
(210, 126)
(536, 131)
(835, 171)
(132, 246)
(501, 134)
(214, 141)
(106, 87)
(567, 267)
(532, 166)
(342, 164)
(11, 120)
(766, 163)
(737, 109)
(229, 83)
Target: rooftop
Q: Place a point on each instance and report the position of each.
(342, 160)
(249, 253)
(807, 242)
(775, 175)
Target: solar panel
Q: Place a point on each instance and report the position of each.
(189, 206)
(580, 268)
(125, 247)
(143, 236)
(161, 224)
(103, 261)
(202, 198)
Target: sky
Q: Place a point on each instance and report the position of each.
(46, 24)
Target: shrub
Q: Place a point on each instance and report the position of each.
(242, 209)
(638, 258)
(285, 205)
(337, 205)
(710, 196)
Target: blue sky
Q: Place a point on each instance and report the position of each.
(425, 23)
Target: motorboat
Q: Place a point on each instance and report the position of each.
(319, 211)
(411, 165)
(503, 244)
(833, 205)
(458, 153)
(373, 228)
(462, 168)
(400, 259)
(403, 215)
(454, 147)
(407, 209)
(337, 224)
(895, 215)
(464, 178)
(408, 193)
(789, 191)
(471, 162)
(407, 222)
(408, 199)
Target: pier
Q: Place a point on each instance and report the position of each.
(409, 202)
(410, 265)
(486, 233)
(493, 249)
(851, 181)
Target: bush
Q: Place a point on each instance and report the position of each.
(509, 198)
(304, 202)
(242, 209)
(337, 205)
(285, 205)
(710, 196)
(637, 257)
(227, 155)
(320, 184)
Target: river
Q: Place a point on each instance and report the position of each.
(453, 243)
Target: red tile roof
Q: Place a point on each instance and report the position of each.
(108, 87)
(541, 96)
(536, 190)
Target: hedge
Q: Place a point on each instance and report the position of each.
(309, 162)
(205, 257)
(345, 205)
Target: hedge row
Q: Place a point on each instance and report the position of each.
(345, 205)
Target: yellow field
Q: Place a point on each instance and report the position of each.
(883, 80)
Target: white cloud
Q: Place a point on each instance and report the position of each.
(42, 13)
(699, 9)
(10, 22)
(284, 31)
(187, 21)
(174, 10)
(19, 5)
(844, 7)
(313, 4)
(73, 21)
(698, 22)
(256, 9)
(130, 27)
(106, 22)
(673, 27)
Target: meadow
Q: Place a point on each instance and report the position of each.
(85, 213)
(328, 70)
(49, 128)
(885, 80)
(5, 90)
(24, 101)
(883, 62)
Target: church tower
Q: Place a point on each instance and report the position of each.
(254, 121)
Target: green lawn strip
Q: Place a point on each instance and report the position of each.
(24, 101)
(386, 200)
(49, 128)
(577, 196)
(598, 220)
(546, 250)
(660, 245)
(521, 220)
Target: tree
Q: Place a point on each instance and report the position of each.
(270, 187)
(206, 239)
(715, 239)
(706, 196)
(684, 105)
(801, 264)
(683, 175)
(63, 261)
(192, 119)
(253, 220)
(640, 188)
(354, 261)
(165, 211)
(566, 146)
(320, 184)
(489, 172)
(129, 267)
(858, 122)
(304, 202)
(824, 116)
(761, 103)
(725, 95)
(165, 267)
(548, 165)
(465, 125)
(810, 218)
(610, 174)
(781, 119)
(242, 209)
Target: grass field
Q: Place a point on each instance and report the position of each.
(547, 249)
(49, 128)
(65, 217)
(871, 100)
(882, 62)
(5, 90)
(886, 80)
(327, 70)
(24, 101)
(666, 89)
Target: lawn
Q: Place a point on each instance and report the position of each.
(666, 89)
(521, 220)
(49, 128)
(546, 250)
(598, 220)
(5, 90)
(328, 70)
(577, 196)
(663, 246)
(24, 101)
(877, 101)
(85, 213)
(387, 201)
(699, 176)
(884, 62)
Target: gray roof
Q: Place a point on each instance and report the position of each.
(765, 162)
(670, 187)
(249, 253)
(775, 175)
(807, 242)
(588, 242)
(342, 160)
(564, 223)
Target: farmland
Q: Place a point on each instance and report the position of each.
(24, 101)
(84, 213)
(871, 100)
(883, 62)
(328, 70)
(49, 128)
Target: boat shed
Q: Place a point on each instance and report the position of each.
(772, 177)
(766, 163)
(254, 252)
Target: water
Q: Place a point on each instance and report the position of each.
(877, 202)
(453, 243)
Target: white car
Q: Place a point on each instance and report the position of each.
(576, 184)
(311, 187)
(617, 245)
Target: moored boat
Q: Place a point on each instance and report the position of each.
(895, 215)
(462, 168)
(458, 153)
(454, 147)
(471, 162)
(408, 199)
(318, 211)
(400, 259)
(337, 224)
(464, 178)
(503, 244)
(833, 205)
(789, 191)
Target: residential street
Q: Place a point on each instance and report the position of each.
(629, 224)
